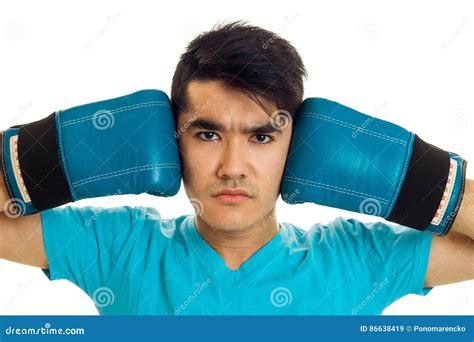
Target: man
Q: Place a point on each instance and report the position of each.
(233, 257)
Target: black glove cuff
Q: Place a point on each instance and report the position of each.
(40, 164)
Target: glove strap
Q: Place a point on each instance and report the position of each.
(34, 172)
(432, 189)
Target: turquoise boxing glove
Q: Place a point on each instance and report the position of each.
(125, 145)
(345, 159)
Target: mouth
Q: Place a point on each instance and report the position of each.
(231, 198)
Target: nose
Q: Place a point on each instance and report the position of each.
(233, 163)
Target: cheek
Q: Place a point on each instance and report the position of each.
(270, 168)
(197, 163)
(275, 159)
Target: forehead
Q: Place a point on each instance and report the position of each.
(215, 100)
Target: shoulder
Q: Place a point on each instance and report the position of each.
(139, 221)
(350, 232)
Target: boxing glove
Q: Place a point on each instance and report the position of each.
(345, 159)
(125, 145)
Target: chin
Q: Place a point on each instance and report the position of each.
(227, 221)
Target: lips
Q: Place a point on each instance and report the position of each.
(232, 192)
(232, 196)
(232, 199)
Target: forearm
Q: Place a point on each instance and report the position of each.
(464, 222)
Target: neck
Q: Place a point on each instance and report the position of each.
(235, 247)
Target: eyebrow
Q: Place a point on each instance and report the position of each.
(212, 125)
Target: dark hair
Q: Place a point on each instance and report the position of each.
(247, 58)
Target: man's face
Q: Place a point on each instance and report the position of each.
(227, 141)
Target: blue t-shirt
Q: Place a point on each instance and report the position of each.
(131, 261)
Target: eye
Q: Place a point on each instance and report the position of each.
(207, 136)
(263, 139)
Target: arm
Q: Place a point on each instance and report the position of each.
(21, 239)
(134, 152)
(452, 256)
(378, 168)
(464, 222)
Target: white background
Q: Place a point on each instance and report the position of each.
(410, 63)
